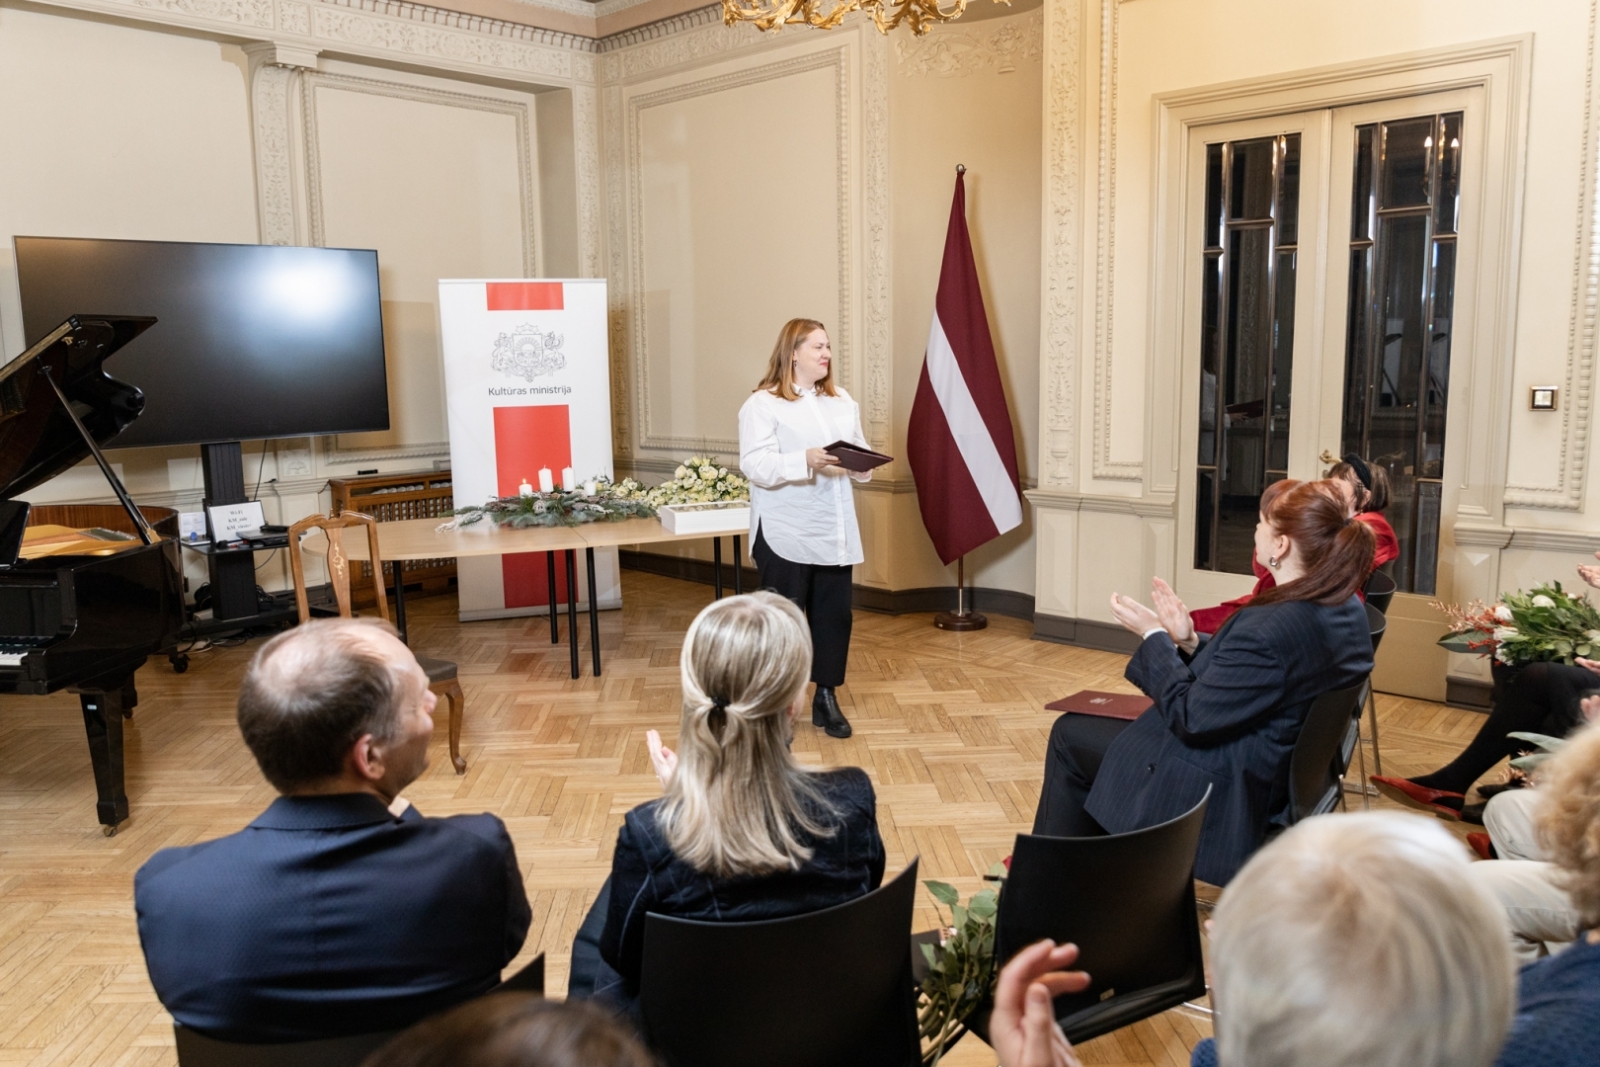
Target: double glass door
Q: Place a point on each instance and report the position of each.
(1320, 278)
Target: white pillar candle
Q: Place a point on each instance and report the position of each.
(569, 479)
(546, 481)
(525, 489)
(591, 487)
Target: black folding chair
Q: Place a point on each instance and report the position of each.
(1321, 752)
(1127, 901)
(1377, 623)
(831, 988)
(1379, 590)
(197, 1050)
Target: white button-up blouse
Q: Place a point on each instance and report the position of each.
(806, 516)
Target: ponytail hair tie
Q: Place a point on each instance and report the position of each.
(717, 717)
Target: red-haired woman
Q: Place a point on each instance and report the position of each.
(1227, 708)
(803, 532)
(1366, 489)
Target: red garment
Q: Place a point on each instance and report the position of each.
(1388, 543)
(1210, 620)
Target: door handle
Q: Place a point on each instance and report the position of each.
(1328, 457)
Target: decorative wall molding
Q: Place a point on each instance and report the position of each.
(1104, 466)
(586, 160)
(310, 83)
(1061, 241)
(877, 348)
(1572, 466)
(1146, 507)
(960, 53)
(632, 220)
(269, 107)
(687, 38)
(581, 8)
(620, 326)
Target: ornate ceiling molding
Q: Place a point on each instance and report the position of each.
(960, 53)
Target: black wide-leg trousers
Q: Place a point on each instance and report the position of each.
(1078, 744)
(824, 594)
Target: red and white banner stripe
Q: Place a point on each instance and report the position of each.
(959, 442)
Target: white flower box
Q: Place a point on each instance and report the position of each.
(712, 517)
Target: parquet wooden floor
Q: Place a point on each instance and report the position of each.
(950, 726)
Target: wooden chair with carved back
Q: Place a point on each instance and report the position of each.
(441, 672)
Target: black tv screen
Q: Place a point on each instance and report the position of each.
(250, 342)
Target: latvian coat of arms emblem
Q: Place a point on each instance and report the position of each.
(528, 352)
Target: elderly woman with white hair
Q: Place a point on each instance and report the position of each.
(742, 832)
(1358, 941)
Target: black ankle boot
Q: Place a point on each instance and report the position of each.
(826, 714)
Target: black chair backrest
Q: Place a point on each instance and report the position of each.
(1379, 590)
(1317, 763)
(197, 1050)
(528, 980)
(831, 988)
(1377, 623)
(1127, 902)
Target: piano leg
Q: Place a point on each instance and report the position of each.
(130, 698)
(102, 721)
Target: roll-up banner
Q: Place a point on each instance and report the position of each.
(528, 385)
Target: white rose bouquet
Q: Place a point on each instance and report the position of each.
(698, 480)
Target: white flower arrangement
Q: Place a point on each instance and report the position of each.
(698, 480)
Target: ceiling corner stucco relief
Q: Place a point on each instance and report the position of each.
(958, 53)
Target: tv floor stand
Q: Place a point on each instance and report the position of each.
(234, 604)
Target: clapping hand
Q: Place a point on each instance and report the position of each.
(663, 759)
(1590, 706)
(1174, 616)
(1134, 615)
(1022, 1028)
(1590, 573)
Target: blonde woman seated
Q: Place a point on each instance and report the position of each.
(742, 832)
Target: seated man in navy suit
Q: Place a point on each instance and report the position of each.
(340, 910)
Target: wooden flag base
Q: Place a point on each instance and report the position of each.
(960, 619)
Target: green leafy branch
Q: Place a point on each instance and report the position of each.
(961, 971)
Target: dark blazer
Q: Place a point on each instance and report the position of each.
(647, 877)
(328, 916)
(1228, 717)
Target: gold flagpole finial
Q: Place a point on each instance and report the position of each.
(961, 168)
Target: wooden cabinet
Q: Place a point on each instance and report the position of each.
(390, 498)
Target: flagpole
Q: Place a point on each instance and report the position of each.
(962, 618)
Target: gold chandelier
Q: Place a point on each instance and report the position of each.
(886, 14)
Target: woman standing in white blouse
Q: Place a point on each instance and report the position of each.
(803, 531)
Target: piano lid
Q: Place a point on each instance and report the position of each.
(37, 438)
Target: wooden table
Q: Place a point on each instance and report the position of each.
(414, 539)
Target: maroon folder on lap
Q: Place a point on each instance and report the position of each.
(1105, 705)
(855, 458)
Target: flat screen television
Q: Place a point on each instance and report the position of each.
(250, 342)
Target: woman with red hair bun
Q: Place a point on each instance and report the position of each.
(1229, 707)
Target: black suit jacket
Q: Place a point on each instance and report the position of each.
(1228, 717)
(329, 916)
(646, 876)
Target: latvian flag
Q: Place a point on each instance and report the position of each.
(959, 444)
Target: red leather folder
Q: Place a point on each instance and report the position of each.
(1105, 705)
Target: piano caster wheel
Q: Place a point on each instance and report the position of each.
(179, 661)
(109, 831)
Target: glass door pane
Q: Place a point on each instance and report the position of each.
(1247, 340)
(1404, 200)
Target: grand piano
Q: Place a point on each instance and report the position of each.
(79, 610)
